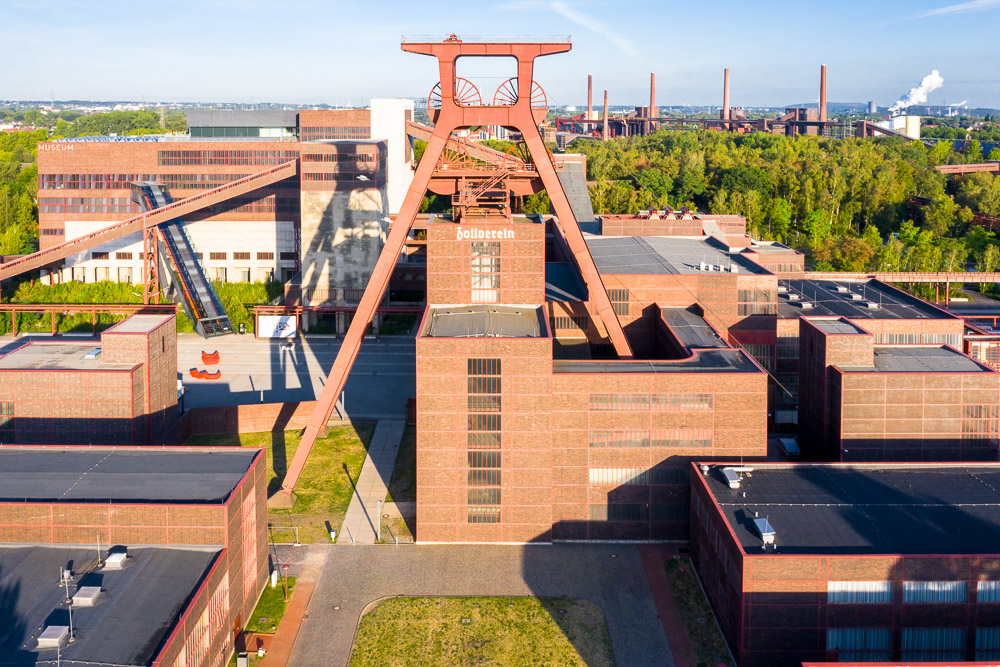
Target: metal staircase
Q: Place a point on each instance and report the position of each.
(198, 296)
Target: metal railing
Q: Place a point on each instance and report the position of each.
(486, 39)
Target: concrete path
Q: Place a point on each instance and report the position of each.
(263, 371)
(610, 575)
(362, 516)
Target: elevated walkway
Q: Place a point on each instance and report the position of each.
(200, 300)
(136, 224)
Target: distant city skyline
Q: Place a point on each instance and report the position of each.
(313, 52)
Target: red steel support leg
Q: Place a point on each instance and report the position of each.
(574, 237)
(370, 300)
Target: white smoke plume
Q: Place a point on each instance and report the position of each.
(918, 95)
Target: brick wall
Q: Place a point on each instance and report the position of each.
(443, 440)
(251, 418)
(522, 261)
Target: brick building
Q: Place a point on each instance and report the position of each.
(859, 401)
(191, 524)
(859, 563)
(361, 159)
(121, 391)
(523, 435)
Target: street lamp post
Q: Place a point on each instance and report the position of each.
(284, 569)
(378, 532)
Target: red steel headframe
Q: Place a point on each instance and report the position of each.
(453, 116)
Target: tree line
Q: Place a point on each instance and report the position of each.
(849, 204)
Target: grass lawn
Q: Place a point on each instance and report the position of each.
(696, 614)
(482, 631)
(327, 483)
(271, 608)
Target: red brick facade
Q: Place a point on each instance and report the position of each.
(131, 401)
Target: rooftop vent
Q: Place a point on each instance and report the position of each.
(805, 305)
(871, 305)
(54, 636)
(782, 289)
(732, 479)
(733, 268)
(93, 354)
(839, 288)
(765, 530)
(87, 596)
(116, 560)
(856, 297)
(793, 296)
(703, 267)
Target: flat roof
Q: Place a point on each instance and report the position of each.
(692, 330)
(658, 255)
(841, 327)
(126, 475)
(144, 602)
(242, 117)
(139, 324)
(703, 361)
(46, 356)
(485, 321)
(893, 304)
(919, 359)
(865, 508)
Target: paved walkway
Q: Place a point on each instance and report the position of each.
(362, 516)
(610, 575)
(280, 651)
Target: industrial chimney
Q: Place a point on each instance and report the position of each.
(822, 93)
(590, 98)
(725, 96)
(604, 133)
(652, 96)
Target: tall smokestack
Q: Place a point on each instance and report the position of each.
(604, 132)
(822, 92)
(590, 97)
(725, 95)
(652, 96)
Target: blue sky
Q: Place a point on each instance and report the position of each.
(328, 51)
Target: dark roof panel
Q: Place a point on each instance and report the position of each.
(121, 475)
(865, 509)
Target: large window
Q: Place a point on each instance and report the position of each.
(486, 272)
(484, 440)
(757, 302)
(858, 592)
(6, 422)
(647, 402)
(860, 644)
(987, 643)
(935, 591)
(933, 644)
(666, 438)
(619, 300)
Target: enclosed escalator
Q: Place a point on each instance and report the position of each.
(198, 296)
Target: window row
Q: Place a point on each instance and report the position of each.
(226, 157)
(575, 322)
(619, 300)
(638, 476)
(916, 644)
(338, 157)
(639, 512)
(650, 402)
(932, 592)
(955, 340)
(667, 438)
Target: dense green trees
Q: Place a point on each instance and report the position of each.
(19, 191)
(846, 203)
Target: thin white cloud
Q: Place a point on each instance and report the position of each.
(580, 19)
(961, 8)
(597, 27)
